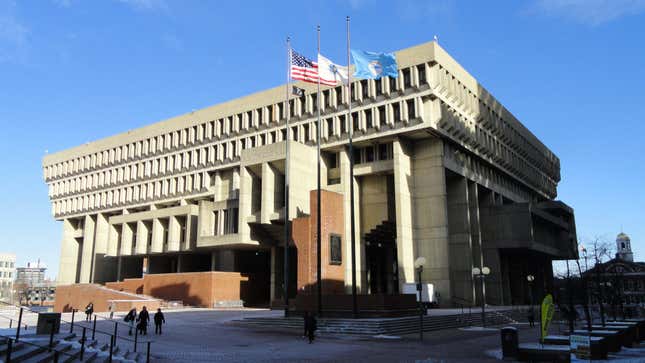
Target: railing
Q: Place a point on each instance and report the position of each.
(12, 345)
(13, 321)
(113, 336)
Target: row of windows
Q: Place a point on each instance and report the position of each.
(6, 264)
(495, 123)
(245, 121)
(6, 274)
(132, 194)
(489, 145)
(335, 126)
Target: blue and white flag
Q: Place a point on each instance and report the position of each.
(372, 65)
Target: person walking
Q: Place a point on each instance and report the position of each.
(111, 309)
(130, 318)
(305, 320)
(143, 320)
(159, 319)
(311, 326)
(531, 318)
(89, 310)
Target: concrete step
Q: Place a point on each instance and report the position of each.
(27, 351)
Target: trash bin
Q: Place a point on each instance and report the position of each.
(509, 342)
(47, 322)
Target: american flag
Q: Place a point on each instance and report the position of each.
(304, 69)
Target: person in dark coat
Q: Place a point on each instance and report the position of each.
(531, 318)
(143, 320)
(89, 310)
(130, 318)
(311, 325)
(305, 320)
(159, 319)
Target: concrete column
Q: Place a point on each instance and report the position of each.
(475, 233)
(273, 273)
(345, 187)
(403, 191)
(174, 230)
(69, 255)
(246, 191)
(88, 245)
(225, 260)
(142, 238)
(101, 270)
(461, 261)
(114, 238)
(268, 193)
(430, 215)
(217, 186)
(127, 238)
(157, 236)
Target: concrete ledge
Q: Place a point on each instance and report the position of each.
(534, 352)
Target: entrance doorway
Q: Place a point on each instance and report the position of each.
(381, 259)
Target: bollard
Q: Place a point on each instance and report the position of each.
(9, 347)
(136, 335)
(111, 347)
(10, 323)
(71, 326)
(82, 345)
(56, 356)
(51, 337)
(94, 328)
(148, 353)
(19, 323)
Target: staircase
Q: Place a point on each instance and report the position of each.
(386, 231)
(388, 326)
(34, 349)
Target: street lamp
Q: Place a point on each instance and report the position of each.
(418, 265)
(481, 275)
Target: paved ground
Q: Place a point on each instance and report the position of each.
(203, 335)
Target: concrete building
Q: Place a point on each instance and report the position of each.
(7, 275)
(442, 170)
(32, 287)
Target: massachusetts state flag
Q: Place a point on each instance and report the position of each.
(372, 65)
(304, 69)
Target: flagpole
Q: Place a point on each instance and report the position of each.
(287, 234)
(351, 179)
(318, 224)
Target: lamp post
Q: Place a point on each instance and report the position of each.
(481, 273)
(418, 265)
(530, 279)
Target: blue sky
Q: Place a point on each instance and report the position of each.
(73, 71)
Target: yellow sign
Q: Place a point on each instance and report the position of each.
(547, 315)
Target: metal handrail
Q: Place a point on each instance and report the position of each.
(113, 335)
(11, 341)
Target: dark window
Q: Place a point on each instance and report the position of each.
(335, 250)
(381, 115)
(339, 95)
(330, 126)
(284, 133)
(411, 111)
(364, 88)
(406, 78)
(327, 98)
(280, 111)
(369, 154)
(294, 133)
(357, 156)
(343, 124)
(396, 110)
(259, 115)
(305, 130)
(355, 120)
(422, 74)
(239, 122)
(368, 119)
(392, 84)
(314, 102)
(382, 152)
(379, 86)
(333, 161)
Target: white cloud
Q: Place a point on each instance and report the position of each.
(146, 4)
(590, 12)
(13, 38)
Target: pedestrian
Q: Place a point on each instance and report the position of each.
(159, 319)
(130, 317)
(305, 320)
(531, 318)
(89, 310)
(111, 309)
(311, 326)
(143, 319)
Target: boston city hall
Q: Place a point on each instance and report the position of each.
(192, 208)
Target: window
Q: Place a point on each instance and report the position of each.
(335, 250)
(422, 74)
(406, 78)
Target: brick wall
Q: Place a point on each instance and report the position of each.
(77, 296)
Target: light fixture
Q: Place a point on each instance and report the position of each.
(485, 271)
(530, 278)
(419, 262)
(476, 271)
